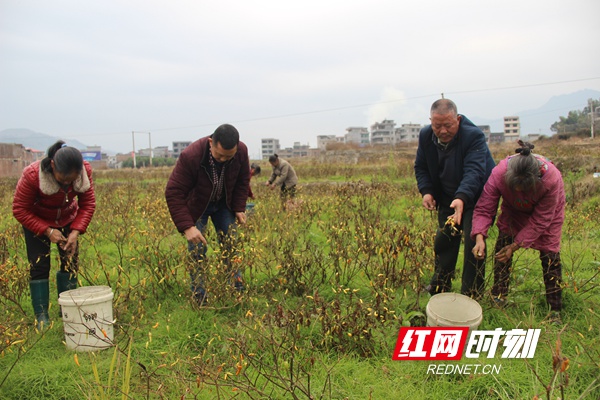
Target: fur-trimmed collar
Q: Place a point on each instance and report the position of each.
(49, 185)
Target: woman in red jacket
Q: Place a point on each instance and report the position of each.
(55, 202)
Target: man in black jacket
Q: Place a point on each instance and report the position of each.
(452, 164)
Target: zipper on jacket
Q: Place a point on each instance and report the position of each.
(65, 202)
(211, 181)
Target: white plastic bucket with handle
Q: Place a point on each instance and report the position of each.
(453, 309)
(87, 317)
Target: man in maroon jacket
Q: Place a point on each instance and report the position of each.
(211, 179)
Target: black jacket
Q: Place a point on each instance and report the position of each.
(471, 163)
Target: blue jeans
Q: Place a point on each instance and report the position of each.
(223, 220)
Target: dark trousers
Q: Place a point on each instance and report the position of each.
(38, 254)
(287, 192)
(446, 248)
(551, 271)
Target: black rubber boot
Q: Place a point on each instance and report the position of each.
(40, 295)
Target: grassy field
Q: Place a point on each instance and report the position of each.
(329, 284)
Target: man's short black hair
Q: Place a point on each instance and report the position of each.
(227, 136)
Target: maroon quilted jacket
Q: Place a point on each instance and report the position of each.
(40, 202)
(190, 184)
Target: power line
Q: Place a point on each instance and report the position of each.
(326, 110)
(524, 86)
(383, 102)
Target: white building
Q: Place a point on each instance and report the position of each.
(358, 135)
(324, 140)
(178, 147)
(269, 147)
(408, 133)
(383, 132)
(512, 129)
(299, 150)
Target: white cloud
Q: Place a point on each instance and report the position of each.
(389, 105)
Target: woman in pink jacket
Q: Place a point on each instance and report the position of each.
(532, 215)
(54, 201)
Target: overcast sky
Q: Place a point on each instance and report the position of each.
(292, 70)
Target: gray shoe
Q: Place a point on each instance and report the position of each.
(554, 318)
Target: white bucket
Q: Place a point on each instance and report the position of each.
(453, 309)
(87, 317)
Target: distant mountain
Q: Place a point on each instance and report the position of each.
(35, 140)
(540, 119)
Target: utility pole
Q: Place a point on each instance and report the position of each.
(592, 117)
(133, 141)
(150, 145)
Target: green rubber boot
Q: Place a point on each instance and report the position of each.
(40, 295)
(65, 281)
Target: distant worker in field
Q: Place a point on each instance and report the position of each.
(284, 176)
(54, 201)
(254, 171)
(452, 164)
(532, 215)
(210, 180)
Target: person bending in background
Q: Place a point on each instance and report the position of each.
(210, 180)
(284, 176)
(452, 164)
(254, 171)
(54, 201)
(532, 215)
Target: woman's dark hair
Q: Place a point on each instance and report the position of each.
(256, 168)
(66, 159)
(227, 136)
(273, 158)
(523, 171)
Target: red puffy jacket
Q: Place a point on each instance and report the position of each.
(41, 203)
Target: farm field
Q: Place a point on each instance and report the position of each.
(329, 283)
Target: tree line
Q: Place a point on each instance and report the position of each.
(578, 122)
